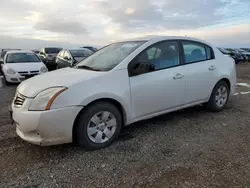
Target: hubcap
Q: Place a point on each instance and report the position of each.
(221, 96)
(101, 127)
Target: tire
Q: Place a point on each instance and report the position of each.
(212, 104)
(84, 123)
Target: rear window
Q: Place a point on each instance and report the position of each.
(22, 58)
(52, 50)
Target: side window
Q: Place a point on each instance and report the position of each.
(195, 52)
(161, 55)
(66, 54)
(61, 54)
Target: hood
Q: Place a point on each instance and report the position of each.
(20, 67)
(61, 77)
(78, 59)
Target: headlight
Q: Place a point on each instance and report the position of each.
(43, 69)
(11, 71)
(45, 98)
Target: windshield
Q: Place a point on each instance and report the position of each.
(81, 53)
(52, 50)
(22, 58)
(110, 56)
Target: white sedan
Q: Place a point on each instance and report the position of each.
(120, 84)
(20, 65)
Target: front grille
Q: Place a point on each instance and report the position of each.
(23, 73)
(34, 72)
(19, 100)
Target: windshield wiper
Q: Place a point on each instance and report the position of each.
(87, 68)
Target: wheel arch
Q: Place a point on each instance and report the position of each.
(117, 104)
(225, 79)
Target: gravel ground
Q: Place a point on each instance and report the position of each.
(188, 148)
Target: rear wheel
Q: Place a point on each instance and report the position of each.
(219, 97)
(98, 126)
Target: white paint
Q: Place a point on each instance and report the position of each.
(142, 97)
(236, 94)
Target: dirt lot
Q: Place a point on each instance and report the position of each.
(188, 148)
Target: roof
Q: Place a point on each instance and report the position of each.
(160, 38)
(76, 49)
(19, 51)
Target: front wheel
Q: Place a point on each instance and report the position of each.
(219, 97)
(98, 126)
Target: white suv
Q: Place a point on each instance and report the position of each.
(120, 84)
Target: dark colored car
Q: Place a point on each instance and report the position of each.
(69, 57)
(93, 49)
(48, 56)
(237, 57)
(246, 49)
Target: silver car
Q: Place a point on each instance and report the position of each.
(69, 57)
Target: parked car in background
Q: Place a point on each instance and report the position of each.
(93, 49)
(245, 53)
(246, 49)
(69, 57)
(236, 57)
(120, 84)
(4, 51)
(20, 65)
(48, 56)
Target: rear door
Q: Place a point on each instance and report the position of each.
(200, 71)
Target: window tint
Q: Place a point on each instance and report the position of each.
(66, 54)
(61, 53)
(52, 50)
(81, 53)
(110, 56)
(195, 52)
(162, 55)
(22, 58)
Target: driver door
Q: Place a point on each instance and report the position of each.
(160, 90)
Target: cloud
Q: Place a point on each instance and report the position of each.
(169, 14)
(102, 21)
(57, 25)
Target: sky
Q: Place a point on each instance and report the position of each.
(73, 23)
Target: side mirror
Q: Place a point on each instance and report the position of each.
(143, 67)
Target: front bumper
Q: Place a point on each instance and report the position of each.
(17, 78)
(45, 127)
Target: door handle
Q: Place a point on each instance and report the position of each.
(212, 68)
(178, 76)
